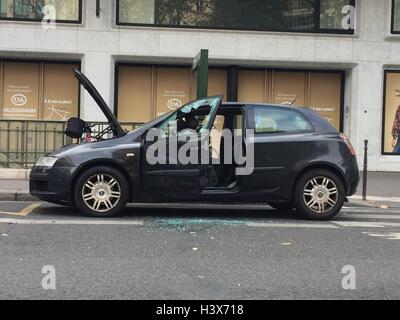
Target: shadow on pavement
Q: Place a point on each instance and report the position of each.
(137, 212)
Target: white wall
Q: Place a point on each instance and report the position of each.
(99, 43)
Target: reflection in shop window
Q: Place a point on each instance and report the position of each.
(66, 10)
(290, 15)
(139, 11)
(396, 16)
(331, 13)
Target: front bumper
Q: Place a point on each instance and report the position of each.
(52, 185)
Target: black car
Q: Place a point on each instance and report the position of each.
(300, 162)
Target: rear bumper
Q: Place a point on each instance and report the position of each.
(351, 174)
(52, 185)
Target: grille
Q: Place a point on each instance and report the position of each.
(41, 185)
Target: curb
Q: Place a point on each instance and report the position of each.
(360, 203)
(16, 196)
(373, 204)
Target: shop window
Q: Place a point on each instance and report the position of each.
(289, 88)
(172, 89)
(146, 92)
(68, 11)
(312, 16)
(320, 91)
(139, 11)
(20, 91)
(333, 14)
(252, 86)
(60, 92)
(217, 82)
(395, 16)
(325, 96)
(391, 114)
(135, 94)
(38, 91)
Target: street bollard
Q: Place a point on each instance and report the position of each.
(365, 171)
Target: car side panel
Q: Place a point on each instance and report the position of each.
(279, 159)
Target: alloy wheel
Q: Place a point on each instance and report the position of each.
(320, 195)
(101, 192)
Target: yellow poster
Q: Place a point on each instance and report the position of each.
(173, 89)
(20, 91)
(325, 96)
(60, 94)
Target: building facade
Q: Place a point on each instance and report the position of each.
(339, 57)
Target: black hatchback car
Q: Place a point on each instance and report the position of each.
(299, 161)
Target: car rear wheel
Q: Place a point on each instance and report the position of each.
(101, 192)
(319, 195)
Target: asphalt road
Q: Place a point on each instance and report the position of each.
(192, 253)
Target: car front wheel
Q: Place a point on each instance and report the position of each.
(319, 195)
(101, 192)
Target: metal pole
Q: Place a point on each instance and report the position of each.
(201, 65)
(365, 171)
(97, 8)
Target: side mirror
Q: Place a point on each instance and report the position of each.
(75, 128)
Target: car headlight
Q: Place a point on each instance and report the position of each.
(47, 162)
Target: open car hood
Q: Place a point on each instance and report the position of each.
(112, 120)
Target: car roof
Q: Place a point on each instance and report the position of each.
(248, 104)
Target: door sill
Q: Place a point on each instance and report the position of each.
(232, 188)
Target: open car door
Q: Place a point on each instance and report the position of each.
(175, 178)
(115, 127)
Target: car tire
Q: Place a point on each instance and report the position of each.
(319, 195)
(101, 192)
(282, 206)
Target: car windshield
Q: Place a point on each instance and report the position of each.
(199, 109)
(194, 116)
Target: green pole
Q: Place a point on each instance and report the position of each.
(201, 64)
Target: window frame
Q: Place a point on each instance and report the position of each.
(250, 120)
(316, 30)
(79, 21)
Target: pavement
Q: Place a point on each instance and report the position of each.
(211, 252)
(383, 190)
(254, 253)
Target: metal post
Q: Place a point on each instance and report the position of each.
(365, 171)
(200, 64)
(97, 8)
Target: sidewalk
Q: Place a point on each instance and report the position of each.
(15, 190)
(383, 190)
